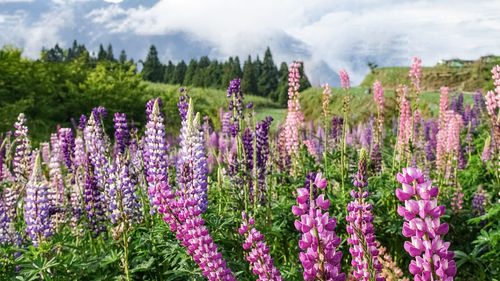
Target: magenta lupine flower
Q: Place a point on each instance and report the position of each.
(155, 150)
(294, 117)
(344, 79)
(362, 238)
(416, 73)
(36, 207)
(318, 241)
(496, 77)
(192, 162)
(432, 261)
(259, 257)
(22, 157)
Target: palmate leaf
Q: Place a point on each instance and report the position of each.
(144, 266)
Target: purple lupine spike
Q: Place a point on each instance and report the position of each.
(82, 122)
(262, 152)
(22, 157)
(192, 161)
(67, 143)
(235, 105)
(36, 207)
(362, 238)
(94, 203)
(486, 154)
(226, 122)
(80, 155)
(247, 139)
(376, 157)
(2, 157)
(122, 135)
(183, 105)
(259, 257)
(55, 190)
(462, 160)
(7, 229)
(478, 202)
(319, 257)
(479, 104)
(99, 112)
(421, 212)
(97, 151)
(155, 151)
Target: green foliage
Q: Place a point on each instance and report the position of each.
(267, 82)
(153, 70)
(249, 79)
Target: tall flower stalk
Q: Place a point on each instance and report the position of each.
(433, 260)
(344, 79)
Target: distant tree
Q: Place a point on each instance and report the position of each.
(257, 67)
(281, 94)
(372, 67)
(190, 72)
(179, 73)
(102, 55)
(55, 54)
(267, 82)
(202, 77)
(215, 74)
(303, 81)
(249, 81)
(152, 69)
(123, 57)
(169, 73)
(237, 68)
(110, 55)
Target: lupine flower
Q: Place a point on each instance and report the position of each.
(97, 149)
(390, 269)
(259, 258)
(337, 123)
(22, 156)
(155, 149)
(432, 258)
(45, 148)
(80, 155)
(362, 238)
(192, 160)
(486, 155)
(82, 122)
(378, 96)
(36, 207)
(294, 117)
(284, 157)
(491, 103)
(478, 202)
(262, 152)
(67, 143)
(94, 203)
(344, 79)
(404, 119)
(122, 135)
(376, 157)
(327, 95)
(56, 188)
(183, 105)
(318, 241)
(235, 105)
(457, 201)
(496, 77)
(416, 73)
(7, 230)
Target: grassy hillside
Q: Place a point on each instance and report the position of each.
(469, 77)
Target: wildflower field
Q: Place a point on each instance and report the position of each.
(399, 191)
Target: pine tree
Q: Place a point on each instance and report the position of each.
(55, 54)
(281, 93)
(249, 81)
(304, 81)
(237, 68)
(110, 56)
(267, 82)
(190, 72)
(102, 55)
(215, 74)
(152, 69)
(179, 73)
(123, 57)
(202, 77)
(169, 73)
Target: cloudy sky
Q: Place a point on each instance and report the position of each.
(327, 35)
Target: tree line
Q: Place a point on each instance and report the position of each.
(261, 78)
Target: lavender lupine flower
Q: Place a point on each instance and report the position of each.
(22, 156)
(122, 135)
(36, 207)
(432, 261)
(262, 152)
(376, 157)
(94, 203)
(67, 143)
(318, 242)
(7, 230)
(56, 188)
(478, 202)
(462, 160)
(192, 160)
(457, 200)
(97, 150)
(45, 148)
(155, 150)
(479, 104)
(362, 238)
(235, 105)
(99, 113)
(486, 155)
(183, 105)
(337, 123)
(259, 257)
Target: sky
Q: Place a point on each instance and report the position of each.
(327, 35)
